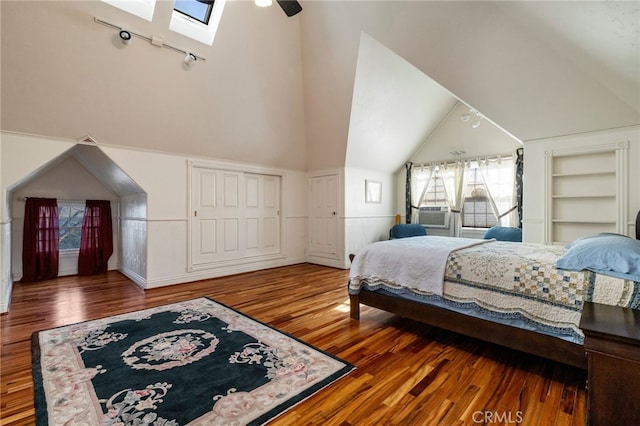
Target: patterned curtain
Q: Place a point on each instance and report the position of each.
(40, 244)
(407, 193)
(96, 241)
(519, 173)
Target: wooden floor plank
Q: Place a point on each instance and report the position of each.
(407, 373)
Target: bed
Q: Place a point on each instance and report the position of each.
(523, 296)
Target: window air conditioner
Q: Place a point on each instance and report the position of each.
(435, 217)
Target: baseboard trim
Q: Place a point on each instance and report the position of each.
(334, 263)
(6, 302)
(134, 276)
(219, 272)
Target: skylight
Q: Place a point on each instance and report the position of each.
(194, 9)
(141, 8)
(196, 20)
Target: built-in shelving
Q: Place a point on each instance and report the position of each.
(585, 192)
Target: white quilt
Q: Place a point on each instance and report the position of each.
(417, 271)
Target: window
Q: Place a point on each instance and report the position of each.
(190, 18)
(479, 193)
(70, 217)
(194, 9)
(196, 20)
(435, 195)
(141, 8)
(477, 211)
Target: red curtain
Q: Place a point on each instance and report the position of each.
(96, 241)
(40, 240)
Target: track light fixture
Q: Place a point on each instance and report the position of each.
(190, 58)
(125, 36)
(465, 117)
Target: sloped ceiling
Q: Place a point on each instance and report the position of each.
(602, 38)
(394, 108)
(496, 56)
(95, 162)
(63, 75)
(456, 139)
(278, 91)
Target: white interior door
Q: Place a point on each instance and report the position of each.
(262, 214)
(323, 216)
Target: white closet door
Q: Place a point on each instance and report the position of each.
(217, 213)
(323, 215)
(262, 214)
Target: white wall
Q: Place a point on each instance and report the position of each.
(133, 237)
(154, 242)
(365, 223)
(453, 134)
(65, 75)
(5, 246)
(534, 201)
(18, 162)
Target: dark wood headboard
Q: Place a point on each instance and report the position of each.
(638, 226)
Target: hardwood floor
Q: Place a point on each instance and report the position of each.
(407, 373)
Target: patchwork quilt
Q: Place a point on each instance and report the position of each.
(516, 284)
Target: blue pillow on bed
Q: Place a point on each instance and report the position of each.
(504, 233)
(609, 254)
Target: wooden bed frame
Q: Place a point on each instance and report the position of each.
(505, 335)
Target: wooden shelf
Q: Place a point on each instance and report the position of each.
(582, 174)
(584, 196)
(585, 222)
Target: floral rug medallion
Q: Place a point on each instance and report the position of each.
(196, 362)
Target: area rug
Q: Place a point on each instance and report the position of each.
(196, 362)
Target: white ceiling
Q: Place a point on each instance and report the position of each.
(394, 109)
(602, 36)
(281, 92)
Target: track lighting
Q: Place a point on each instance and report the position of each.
(190, 58)
(125, 36)
(466, 116)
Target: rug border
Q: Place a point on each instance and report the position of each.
(41, 413)
(42, 418)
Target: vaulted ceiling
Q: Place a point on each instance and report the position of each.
(301, 93)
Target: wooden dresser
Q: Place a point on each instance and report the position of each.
(612, 345)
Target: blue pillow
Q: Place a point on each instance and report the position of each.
(609, 254)
(404, 230)
(504, 233)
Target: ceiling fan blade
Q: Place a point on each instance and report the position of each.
(290, 7)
